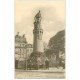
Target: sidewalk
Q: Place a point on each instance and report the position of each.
(50, 70)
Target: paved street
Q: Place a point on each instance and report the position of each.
(55, 73)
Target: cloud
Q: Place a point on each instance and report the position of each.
(53, 18)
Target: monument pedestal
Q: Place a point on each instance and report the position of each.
(37, 60)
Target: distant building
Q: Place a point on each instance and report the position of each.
(29, 49)
(20, 51)
(45, 46)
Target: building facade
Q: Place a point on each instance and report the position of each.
(20, 51)
(29, 50)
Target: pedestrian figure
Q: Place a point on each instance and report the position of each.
(47, 63)
(29, 64)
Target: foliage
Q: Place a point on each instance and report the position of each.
(57, 42)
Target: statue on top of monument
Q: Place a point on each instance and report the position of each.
(38, 17)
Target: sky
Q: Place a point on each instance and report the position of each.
(53, 17)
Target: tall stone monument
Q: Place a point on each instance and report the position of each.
(37, 56)
(38, 32)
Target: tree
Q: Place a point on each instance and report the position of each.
(57, 42)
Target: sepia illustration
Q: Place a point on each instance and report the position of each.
(39, 39)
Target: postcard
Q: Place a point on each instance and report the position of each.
(39, 39)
